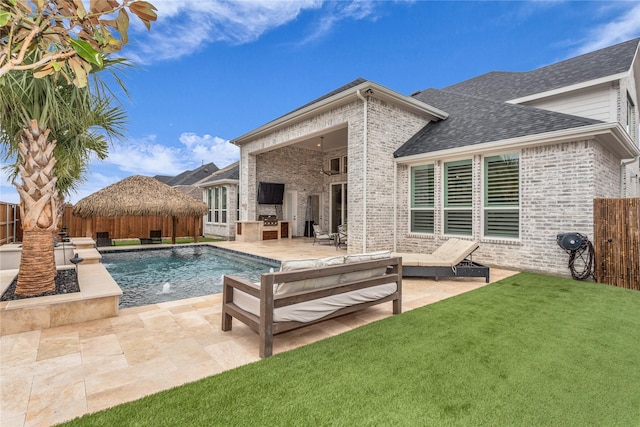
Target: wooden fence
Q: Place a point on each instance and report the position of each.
(129, 227)
(118, 228)
(10, 228)
(616, 225)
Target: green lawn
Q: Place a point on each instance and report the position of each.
(530, 350)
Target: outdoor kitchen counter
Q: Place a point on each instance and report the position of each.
(253, 231)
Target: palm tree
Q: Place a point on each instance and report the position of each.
(47, 52)
(51, 155)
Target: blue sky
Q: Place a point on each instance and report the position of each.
(210, 71)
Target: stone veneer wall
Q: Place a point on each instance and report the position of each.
(558, 185)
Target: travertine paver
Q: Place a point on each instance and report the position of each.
(52, 375)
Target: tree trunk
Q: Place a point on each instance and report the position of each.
(37, 265)
(38, 196)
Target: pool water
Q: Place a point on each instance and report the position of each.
(160, 275)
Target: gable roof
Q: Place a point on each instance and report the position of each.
(189, 177)
(341, 96)
(475, 121)
(227, 174)
(504, 86)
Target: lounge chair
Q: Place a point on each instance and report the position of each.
(320, 235)
(449, 260)
(103, 239)
(155, 236)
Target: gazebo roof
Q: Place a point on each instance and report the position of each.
(139, 196)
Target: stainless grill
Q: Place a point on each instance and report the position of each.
(268, 220)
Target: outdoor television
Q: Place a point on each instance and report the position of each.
(270, 193)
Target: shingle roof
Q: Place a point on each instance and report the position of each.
(231, 172)
(503, 86)
(474, 121)
(189, 177)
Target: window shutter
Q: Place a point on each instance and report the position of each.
(502, 182)
(502, 196)
(459, 190)
(423, 187)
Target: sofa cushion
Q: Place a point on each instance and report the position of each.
(364, 274)
(317, 283)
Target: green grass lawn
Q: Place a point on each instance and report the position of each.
(530, 350)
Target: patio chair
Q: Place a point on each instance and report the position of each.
(103, 239)
(155, 236)
(341, 237)
(449, 260)
(320, 235)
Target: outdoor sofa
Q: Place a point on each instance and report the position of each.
(308, 291)
(451, 259)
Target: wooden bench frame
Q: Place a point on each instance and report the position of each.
(267, 328)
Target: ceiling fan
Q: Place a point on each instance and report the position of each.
(322, 171)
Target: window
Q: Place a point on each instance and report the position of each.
(334, 166)
(458, 200)
(344, 164)
(502, 196)
(217, 202)
(422, 199)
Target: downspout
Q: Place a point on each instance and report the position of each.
(623, 177)
(364, 174)
(395, 205)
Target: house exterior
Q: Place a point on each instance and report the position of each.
(220, 193)
(506, 159)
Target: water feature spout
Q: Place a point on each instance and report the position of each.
(166, 288)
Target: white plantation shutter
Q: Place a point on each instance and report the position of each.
(422, 199)
(502, 196)
(458, 197)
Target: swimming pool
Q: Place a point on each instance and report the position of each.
(151, 276)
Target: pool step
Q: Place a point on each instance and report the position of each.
(89, 256)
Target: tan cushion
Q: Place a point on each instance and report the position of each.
(317, 283)
(297, 264)
(364, 274)
(453, 251)
(449, 254)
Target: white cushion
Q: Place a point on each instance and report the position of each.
(364, 274)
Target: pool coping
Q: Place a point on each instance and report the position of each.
(135, 248)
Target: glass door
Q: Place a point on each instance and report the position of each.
(338, 205)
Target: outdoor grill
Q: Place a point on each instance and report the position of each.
(268, 220)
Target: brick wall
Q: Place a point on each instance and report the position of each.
(557, 192)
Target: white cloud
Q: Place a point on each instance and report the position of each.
(145, 157)
(207, 148)
(625, 27)
(184, 27)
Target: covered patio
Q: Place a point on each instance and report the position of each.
(52, 375)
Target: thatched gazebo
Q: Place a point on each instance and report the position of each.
(140, 196)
